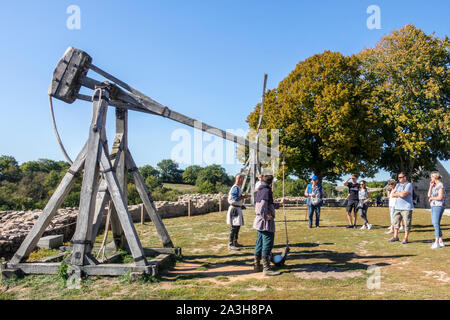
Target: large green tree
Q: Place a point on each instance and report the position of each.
(327, 126)
(408, 75)
(190, 174)
(169, 171)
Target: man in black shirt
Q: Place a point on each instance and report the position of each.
(353, 198)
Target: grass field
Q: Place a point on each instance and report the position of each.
(185, 188)
(326, 263)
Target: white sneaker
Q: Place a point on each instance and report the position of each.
(442, 244)
(435, 245)
(402, 228)
(363, 227)
(389, 228)
(369, 226)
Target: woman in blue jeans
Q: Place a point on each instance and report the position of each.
(436, 196)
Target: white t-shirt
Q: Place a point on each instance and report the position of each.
(391, 199)
(257, 184)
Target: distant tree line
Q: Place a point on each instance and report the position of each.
(30, 184)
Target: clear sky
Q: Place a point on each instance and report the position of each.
(205, 59)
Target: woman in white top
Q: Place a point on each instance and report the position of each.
(436, 196)
(363, 204)
(391, 187)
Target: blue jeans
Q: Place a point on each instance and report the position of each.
(436, 216)
(311, 210)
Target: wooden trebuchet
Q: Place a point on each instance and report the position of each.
(104, 178)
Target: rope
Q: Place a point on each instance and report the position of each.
(102, 249)
(50, 101)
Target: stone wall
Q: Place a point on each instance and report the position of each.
(15, 225)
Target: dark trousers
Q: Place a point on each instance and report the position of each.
(264, 243)
(311, 210)
(234, 233)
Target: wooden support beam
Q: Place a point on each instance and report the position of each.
(118, 154)
(122, 211)
(89, 188)
(148, 202)
(49, 211)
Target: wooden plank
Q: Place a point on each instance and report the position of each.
(100, 270)
(105, 269)
(103, 195)
(155, 251)
(90, 182)
(149, 105)
(52, 258)
(148, 202)
(122, 210)
(36, 268)
(120, 144)
(49, 211)
(161, 261)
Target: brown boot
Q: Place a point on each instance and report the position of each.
(257, 267)
(266, 267)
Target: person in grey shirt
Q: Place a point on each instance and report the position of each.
(403, 207)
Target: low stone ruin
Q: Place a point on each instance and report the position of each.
(15, 225)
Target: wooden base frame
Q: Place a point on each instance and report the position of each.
(104, 180)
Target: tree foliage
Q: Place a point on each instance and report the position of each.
(327, 126)
(169, 171)
(408, 75)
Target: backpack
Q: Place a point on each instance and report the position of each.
(315, 201)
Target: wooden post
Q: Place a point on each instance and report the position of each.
(90, 182)
(220, 204)
(121, 137)
(189, 207)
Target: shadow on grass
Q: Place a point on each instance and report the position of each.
(339, 261)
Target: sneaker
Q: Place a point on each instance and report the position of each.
(349, 227)
(393, 239)
(363, 227)
(389, 228)
(354, 226)
(233, 248)
(401, 228)
(369, 226)
(442, 244)
(436, 245)
(317, 227)
(405, 241)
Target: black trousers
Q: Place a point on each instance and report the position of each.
(234, 233)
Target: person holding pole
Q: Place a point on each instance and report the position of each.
(265, 225)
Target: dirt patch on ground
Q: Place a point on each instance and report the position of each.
(438, 275)
(323, 272)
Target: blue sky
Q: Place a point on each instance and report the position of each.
(205, 59)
